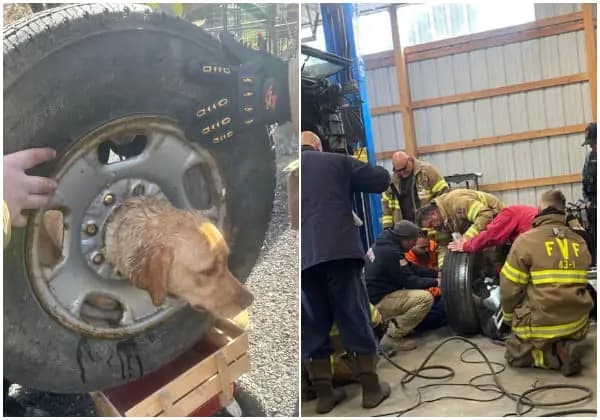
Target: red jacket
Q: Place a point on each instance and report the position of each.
(505, 227)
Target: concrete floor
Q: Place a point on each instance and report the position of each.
(513, 379)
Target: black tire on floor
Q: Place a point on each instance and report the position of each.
(249, 402)
(457, 273)
(67, 71)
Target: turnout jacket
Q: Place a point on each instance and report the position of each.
(417, 190)
(543, 281)
(387, 270)
(467, 211)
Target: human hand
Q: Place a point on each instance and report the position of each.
(457, 245)
(22, 191)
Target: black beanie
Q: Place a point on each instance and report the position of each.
(590, 134)
(405, 230)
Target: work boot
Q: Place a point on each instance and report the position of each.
(569, 353)
(321, 378)
(308, 392)
(399, 344)
(374, 391)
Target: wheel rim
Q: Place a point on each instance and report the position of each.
(82, 291)
(481, 276)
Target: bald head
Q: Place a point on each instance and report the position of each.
(308, 138)
(402, 164)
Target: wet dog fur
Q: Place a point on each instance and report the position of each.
(166, 250)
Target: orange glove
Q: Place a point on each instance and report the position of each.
(435, 291)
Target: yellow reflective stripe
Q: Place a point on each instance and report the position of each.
(430, 231)
(558, 276)
(508, 316)
(538, 358)
(481, 196)
(440, 260)
(565, 280)
(425, 195)
(390, 200)
(512, 278)
(545, 273)
(392, 203)
(439, 186)
(178, 9)
(471, 232)
(375, 315)
(474, 210)
(514, 275)
(550, 331)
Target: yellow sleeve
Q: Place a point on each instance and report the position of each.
(480, 215)
(6, 224)
(387, 220)
(513, 280)
(438, 184)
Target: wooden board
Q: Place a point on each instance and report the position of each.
(198, 377)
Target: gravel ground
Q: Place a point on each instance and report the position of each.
(274, 313)
(14, 11)
(273, 379)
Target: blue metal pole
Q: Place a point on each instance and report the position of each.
(331, 16)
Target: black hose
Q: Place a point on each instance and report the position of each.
(496, 387)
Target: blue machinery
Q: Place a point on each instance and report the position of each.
(338, 27)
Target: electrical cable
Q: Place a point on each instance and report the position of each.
(520, 400)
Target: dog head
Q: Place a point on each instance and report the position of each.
(193, 266)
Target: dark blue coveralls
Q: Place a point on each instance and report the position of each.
(333, 289)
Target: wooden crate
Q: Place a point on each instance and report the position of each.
(200, 378)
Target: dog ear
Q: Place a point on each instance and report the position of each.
(154, 272)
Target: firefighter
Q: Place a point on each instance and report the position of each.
(465, 211)
(398, 288)
(414, 184)
(332, 287)
(589, 184)
(543, 292)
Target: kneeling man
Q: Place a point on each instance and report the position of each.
(543, 292)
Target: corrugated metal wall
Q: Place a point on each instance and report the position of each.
(546, 10)
(532, 60)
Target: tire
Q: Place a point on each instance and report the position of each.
(250, 403)
(457, 274)
(68, 71)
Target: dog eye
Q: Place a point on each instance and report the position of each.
(210, 271)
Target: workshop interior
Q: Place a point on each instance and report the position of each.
(501, 101)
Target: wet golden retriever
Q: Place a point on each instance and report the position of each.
(164, 250)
